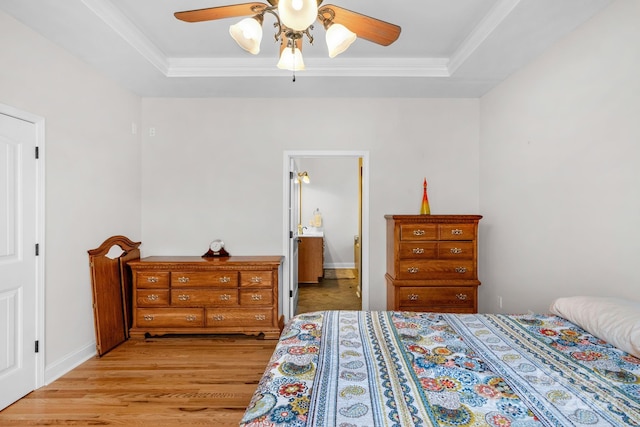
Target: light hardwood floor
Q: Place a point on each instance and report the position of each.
(169, 381)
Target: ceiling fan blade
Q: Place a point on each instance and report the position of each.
(220, 12)
(364, 26)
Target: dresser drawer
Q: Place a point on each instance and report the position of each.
(457, 232)
(249, 297)
(456, 250)
(418, 232)
(152, 297)
(417, 250)
(258, 279)
(241, 318)
(436, 297)
(152, 279)
(228, 279)
(169, 317)
(426, 269)
(204, 297)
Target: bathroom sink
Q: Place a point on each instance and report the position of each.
(306, 232)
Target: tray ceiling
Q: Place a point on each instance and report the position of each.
(447, 48)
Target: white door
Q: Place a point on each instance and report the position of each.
(293, 240)
(18, 266)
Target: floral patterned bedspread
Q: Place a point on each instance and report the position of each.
(352, 368)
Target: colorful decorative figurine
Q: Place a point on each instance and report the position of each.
(424, 209)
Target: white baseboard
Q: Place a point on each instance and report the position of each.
(67, 363)
(338, 265)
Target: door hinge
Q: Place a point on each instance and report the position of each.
(290, 175)
(290, 294)
(37, 249)
(37, 348)
(37, 152)
(290, 234)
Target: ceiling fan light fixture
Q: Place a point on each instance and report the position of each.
(248, 34)
(291, 60)
(339, 38)
(298, 14)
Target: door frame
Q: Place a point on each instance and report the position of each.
(289, 156)
(39, 277)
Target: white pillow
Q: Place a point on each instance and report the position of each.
(614, 320)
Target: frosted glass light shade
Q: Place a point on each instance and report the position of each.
(298, 14)
(291, 61)
(248, 34)
(339, 38)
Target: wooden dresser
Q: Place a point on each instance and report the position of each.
(432, 263)
(195, 295)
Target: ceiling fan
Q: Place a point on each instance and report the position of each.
(294, 20)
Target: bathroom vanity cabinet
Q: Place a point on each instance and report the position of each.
(310, 259)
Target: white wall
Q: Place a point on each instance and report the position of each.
(559, 170)
(334, 190)
(92, 176)
(552, 166)
(214, 167)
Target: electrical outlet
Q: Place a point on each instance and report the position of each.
(500, 301)
(152, 131)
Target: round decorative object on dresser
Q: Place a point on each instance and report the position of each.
(216, 249)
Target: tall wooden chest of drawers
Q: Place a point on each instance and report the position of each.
(432, 263)
(194, 295)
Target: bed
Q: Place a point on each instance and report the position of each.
(387, 368)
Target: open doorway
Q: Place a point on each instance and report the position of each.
(340, 194)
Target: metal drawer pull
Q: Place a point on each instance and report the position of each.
(461, 270)
(413, 297)
(412, 270)
(148, 317)
(418, 250)
(183, 279)
(456, 232)
(456, 250)
(183, 297)
(418, 232)
(152, 279)
(256, 279)
(256, 297)
(225, 297)
(461, 296)
(152, 297)
(217, 317)
(261, 317)
(190, 317)
(225, 279)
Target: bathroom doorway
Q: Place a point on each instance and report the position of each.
(338, 187)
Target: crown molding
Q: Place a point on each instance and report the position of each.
(121, 25)
(481, 32)
(261, 67)
(346, 67)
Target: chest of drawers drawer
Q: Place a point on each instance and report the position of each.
(152, 297)
(438, 298)
(152, 279)
(191, 279)
(256, 279)
(170, 317)
(254, 297)
(436, 269)
(436, 250)
(247, 317)
(204, 297)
